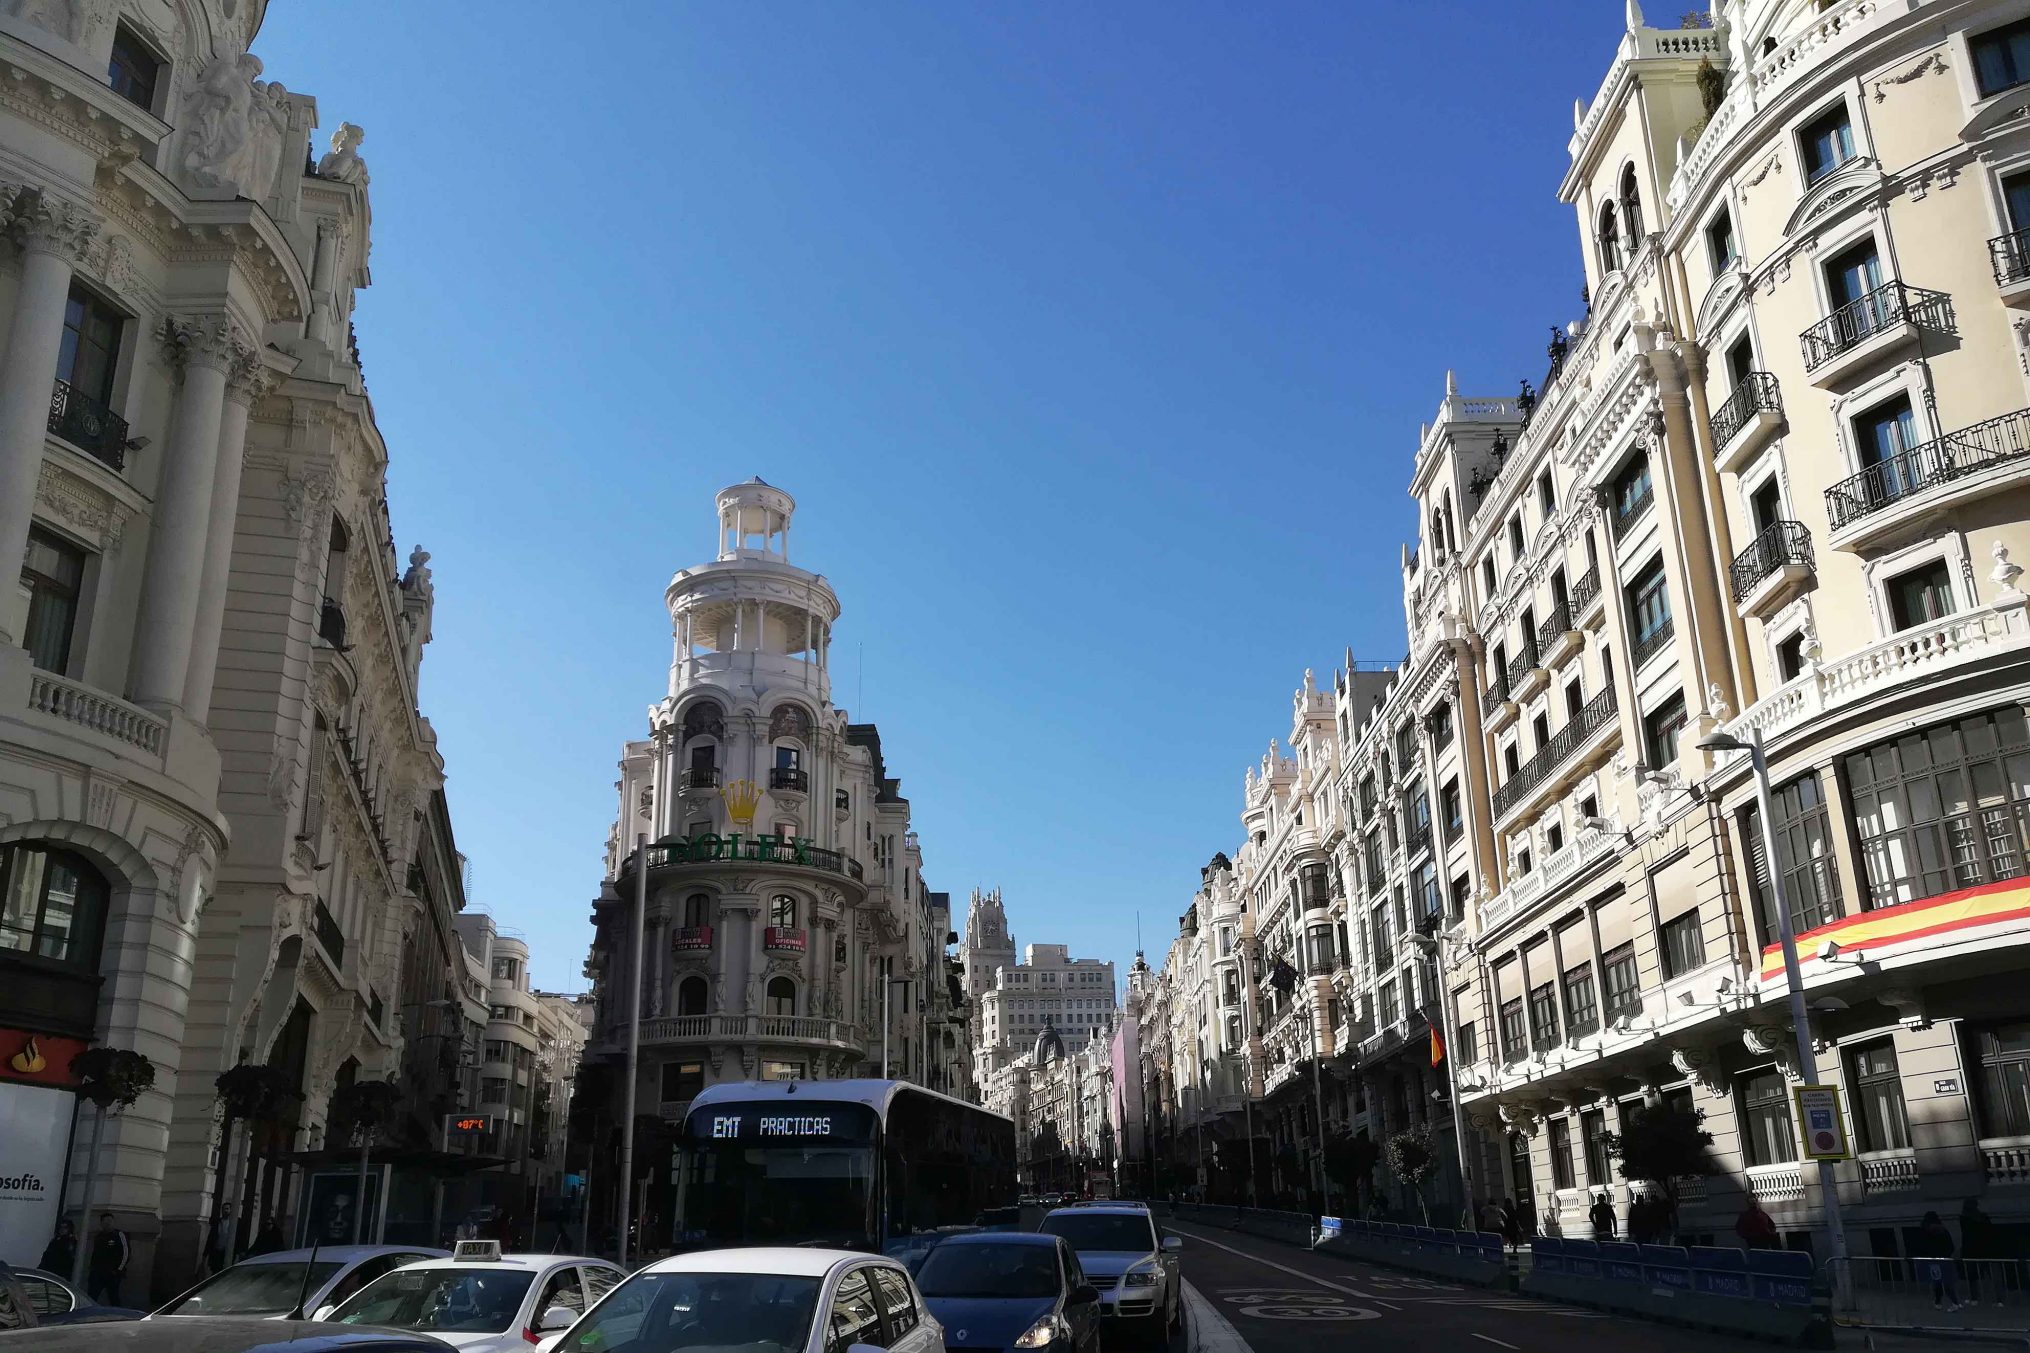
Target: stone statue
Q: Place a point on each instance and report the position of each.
(343, 162)
(236, 128)
(71, 20)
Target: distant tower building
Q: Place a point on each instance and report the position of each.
(988, 944)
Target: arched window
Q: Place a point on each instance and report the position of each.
(781, 996)
(52, 905)
(782, 911)
(704, 726)
(697, 910)
(1610, 242)
(691, 996)
(1631, 208)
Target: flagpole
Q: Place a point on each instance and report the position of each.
(1441, 1053)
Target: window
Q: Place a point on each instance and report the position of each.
(1610, 241)
(1469, 1043)
(1765, 505)
(855, 1318)
(564, 1290)
(781, 997)
(506, 969)
(1790, 657)
(1487, 575)
(1561, 1154)
(2005, 1079)
(1660, 729)
(792, 1071)
(691, 996)
(1920, 595)
(1514, 1035)
(1943, 807)
(1593, 1139)
(493, 1090)
(697, 910)
(1804, 852)
(90, 350)
(53, 572)
(1575, 697)
(1631, 209)
(682, 1080)
(1377, 870)
(1389, 1012)
(52, 905)
(782, 911)
(1720, 241)
(1456, 907)
(1827, 142)
(1882, 437)
(1875, 1085)
(134, 70)
(1452, 811)
(1649, 610)
(896, 1303)
(1582, 1012)
(1851, 276)
(1515, 535)
(2002, 57)
(1544, 1016)
(1624, 988)
(1554, 838)
(1632, 490)
(1440, 724)
(1684, 948)
(1766, 1138)
(1547, 495)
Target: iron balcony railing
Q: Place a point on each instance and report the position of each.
(1591, 717)
(1783, 544)
(88, 425)
(1417, 837)
(1556, 625)
(1881, 310)
(1523, 662)
(1649, 645)
(1995, 442)
(790, 777)
(1586, 591)
(329, 936)
(1757, 394)
(698, 777)
(331, 623)
(1491, 699)
(749, 849)
(1634, 510)
(2010, 254)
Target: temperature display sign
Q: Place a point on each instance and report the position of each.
(469, 1124)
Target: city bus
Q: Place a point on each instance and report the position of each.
(872, 1165)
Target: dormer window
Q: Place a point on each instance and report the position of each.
(134, 70)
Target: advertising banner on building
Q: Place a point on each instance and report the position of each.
(35, 1126)
(331, 1202)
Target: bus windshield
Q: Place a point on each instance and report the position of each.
(764, 1180)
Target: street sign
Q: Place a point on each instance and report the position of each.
(1820, 1121)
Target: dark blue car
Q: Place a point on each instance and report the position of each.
(1002, 1290)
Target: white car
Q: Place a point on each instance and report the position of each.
(480, 1300)
(289, 1284)
(761, 1301)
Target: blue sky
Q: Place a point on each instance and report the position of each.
(1093, 341)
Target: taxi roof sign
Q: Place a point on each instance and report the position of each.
(472, 1251)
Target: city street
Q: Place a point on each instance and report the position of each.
(1247, 1295)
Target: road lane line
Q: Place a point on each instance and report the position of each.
(1492, 1340)
(1210, 1332)
(1293, 1272)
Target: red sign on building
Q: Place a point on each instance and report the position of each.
(782, 939)
(692, 937)
(38, 1059)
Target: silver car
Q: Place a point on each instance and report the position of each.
(1132, 1263)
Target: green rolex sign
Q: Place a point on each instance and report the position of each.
(710, 846)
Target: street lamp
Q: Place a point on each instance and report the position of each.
(1807, 1061)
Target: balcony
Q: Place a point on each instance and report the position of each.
(782, 939)
(1776, 566)
(735, 849)
(1626, 515)
(1540, 771)
(691, 937)
(1526, 674)
(2010, 254)
(814, 1030)
(1558, 638)
(1417, 837)
(1745, 423)
(697, 780)
(789, 780)
(88, 425)
(73, 702)
(1958, 466)
(329, 937)
(1870, 328)
(1658, 640)
(1586, 597)
(1491, 701)
(1558, 866)
(331, 624)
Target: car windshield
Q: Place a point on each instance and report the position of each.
(475, 1300)
(699, 1313)
(1025, 1270)
(254, 1289)
(1088, 1231)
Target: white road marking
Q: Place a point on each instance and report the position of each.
(1492, 1340)
(1293, 1272)
(1208, 1330)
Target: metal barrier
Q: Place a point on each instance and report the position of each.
(1922, 1293)
(1299, 1228)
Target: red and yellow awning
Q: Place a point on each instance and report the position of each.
(1988, 904)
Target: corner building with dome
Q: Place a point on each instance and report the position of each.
(786, 894)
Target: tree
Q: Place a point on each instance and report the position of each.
(360, 1113)
(112, 1079)
(1660, 1144)
(253, 1093)
(1712, 84)
(1350, 1158)
(1412, 1159)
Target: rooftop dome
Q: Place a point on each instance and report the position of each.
(1048, 1044)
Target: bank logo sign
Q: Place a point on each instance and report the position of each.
(34, 1123)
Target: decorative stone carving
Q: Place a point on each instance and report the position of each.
(2004, 576)
(249, 380)
(1774, 1041)
(1701, 1067)
(213, 340)
(1716, 703)
(237, 125)
(309, 492)
(1521, 1118)
(74, 21)
(80, 505)
(1908, 1005)
(343, 161)
(47, 224)
(789, 721)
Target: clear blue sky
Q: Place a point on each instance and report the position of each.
(1092, 340)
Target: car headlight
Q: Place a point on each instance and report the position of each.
(1043, 1332)
(1141, 1275)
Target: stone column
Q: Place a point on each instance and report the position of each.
(246, 384)
(206, 346)
(53, 233)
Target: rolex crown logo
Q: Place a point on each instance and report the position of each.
(742, 798)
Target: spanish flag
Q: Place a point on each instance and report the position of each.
(1437, 1045)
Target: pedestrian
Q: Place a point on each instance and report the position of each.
(1978, 1249)
(1490, 1216)
(1755, 1227)
(1511, 1222)
(1601, 1214)
(110, 1253)
(1934, 1251)
(61, 1254)
(269, 1238)
(219, 1239)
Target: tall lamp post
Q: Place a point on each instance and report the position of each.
(1431, 944)
(1807, 1060)
(1284, 979)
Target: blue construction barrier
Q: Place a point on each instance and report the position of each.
(1462, 1256)
(1765, 1293)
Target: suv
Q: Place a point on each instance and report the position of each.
(1132, 1264)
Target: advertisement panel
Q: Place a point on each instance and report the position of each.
(34, 1128)
(1821, 1123)
(331, 1200)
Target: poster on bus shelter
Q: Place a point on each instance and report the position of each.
(1821, 1123)
(330, 1203)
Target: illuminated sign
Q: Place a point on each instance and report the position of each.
(469, 1124)
(733, 846)
(784, 1123)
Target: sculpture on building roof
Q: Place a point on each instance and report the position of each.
(237, 126)
(343, 161)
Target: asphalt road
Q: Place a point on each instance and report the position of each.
(1247, 1295)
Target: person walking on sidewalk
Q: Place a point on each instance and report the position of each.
(108, 1263)
(1601, 1214)
(1755, 1227)
(1978, 1243)
(1934, 1252)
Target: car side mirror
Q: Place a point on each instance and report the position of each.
(1084, 1294)
(555, 1319)
(1173, 1245)
(323, 1313)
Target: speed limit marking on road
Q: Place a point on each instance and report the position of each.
(1316, 1309)
(1254, 1296)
